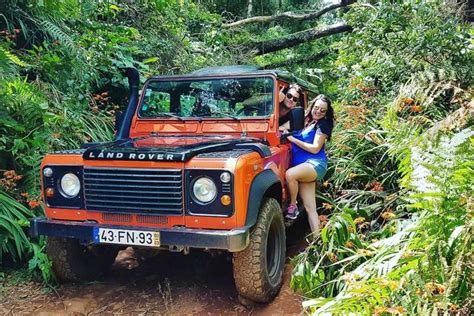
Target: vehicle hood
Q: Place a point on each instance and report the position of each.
(168, 147)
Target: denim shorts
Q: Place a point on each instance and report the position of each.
(320, 166)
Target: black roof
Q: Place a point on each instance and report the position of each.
(250, 70)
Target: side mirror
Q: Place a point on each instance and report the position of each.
(119, 115)
(296, 118)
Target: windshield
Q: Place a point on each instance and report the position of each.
(217, 98)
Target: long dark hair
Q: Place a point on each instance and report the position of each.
(329, 116)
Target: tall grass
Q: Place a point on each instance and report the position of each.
(13, 220)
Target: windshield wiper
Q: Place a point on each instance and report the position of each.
(169, 114)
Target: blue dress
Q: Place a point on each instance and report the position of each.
(319, 160)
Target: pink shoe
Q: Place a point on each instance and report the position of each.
(292, 212)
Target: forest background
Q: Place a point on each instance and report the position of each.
(398, 201)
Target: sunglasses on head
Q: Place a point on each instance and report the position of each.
(289, 96)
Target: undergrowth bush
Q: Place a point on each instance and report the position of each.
(398, 240)
(425, 265)
(13, 218)
(61, 83)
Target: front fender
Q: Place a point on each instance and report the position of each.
(265, 184)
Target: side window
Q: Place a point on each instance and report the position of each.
(155, 102)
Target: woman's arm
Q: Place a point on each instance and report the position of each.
(315, 147)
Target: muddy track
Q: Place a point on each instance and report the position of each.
(168, 283)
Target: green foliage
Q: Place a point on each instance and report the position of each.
(324, 261)
(395, 41)
(7, 60)
(40, 261)
(57, 34)
(426, 263)
(13, 220)
(61, 83)
(400, 97)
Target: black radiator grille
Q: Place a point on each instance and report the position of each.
(149, 191)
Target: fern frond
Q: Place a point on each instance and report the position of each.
(7, 59)
(57, 33)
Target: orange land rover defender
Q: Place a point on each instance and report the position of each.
(198, 162)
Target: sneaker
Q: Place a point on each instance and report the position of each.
(292, 212)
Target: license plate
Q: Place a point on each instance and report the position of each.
(127, 237)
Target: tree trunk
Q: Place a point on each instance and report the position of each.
(286, 15)
(261, 48)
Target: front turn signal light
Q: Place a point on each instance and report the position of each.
(49, 192)
(225, 200)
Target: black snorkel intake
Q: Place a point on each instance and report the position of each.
(125, 120)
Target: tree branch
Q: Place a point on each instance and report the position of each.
(261, 48)
(289, 15)
(302, 60)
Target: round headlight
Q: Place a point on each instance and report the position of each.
(225, 177)
(204, 190)
(70, 185)
(47, 172)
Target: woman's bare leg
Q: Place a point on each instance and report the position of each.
(308, 195)
(301, 173)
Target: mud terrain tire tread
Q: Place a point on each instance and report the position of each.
(250, 265)
(73, 262)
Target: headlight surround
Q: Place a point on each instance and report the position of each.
(204, 190)
(70, 185)
(215, 207)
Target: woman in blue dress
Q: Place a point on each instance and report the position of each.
(309, 161)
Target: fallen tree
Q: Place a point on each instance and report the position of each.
(273, 45)
(268, 46)
(289, 15)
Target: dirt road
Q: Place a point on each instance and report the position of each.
(168, 283)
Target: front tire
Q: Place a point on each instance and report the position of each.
(74, 262)
(258, 270)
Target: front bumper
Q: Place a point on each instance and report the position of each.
(232, 240)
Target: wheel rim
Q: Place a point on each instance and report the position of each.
(274, 253)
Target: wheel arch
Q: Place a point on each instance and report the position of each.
(265, 184)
